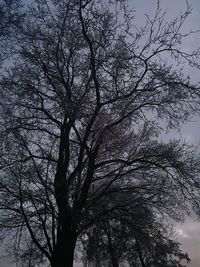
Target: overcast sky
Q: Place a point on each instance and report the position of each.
(188, 233)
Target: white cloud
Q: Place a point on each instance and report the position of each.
(181, 233)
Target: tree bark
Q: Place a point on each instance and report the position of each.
(64, 250)
(139, 252)
(114, 261)
(111, 250)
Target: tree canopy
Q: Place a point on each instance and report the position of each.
(84, 101)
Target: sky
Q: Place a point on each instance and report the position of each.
(188, 233)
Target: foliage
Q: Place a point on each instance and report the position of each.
(11, 19)
(139, 239)
(83, 104)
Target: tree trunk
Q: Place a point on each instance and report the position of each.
(110, 248)
(114, 261)
(139, 252)
(64, 251)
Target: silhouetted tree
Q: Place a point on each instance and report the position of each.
(82, 103)
(140, 239)
(11, 18)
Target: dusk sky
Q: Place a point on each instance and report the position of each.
(188, 233)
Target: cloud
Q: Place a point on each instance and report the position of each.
(188, 234)
(181, 233)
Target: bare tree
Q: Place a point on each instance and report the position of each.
(82, 108)
(139, 238)
(11, 18)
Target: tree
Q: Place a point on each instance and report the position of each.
(11, 18)
(139, 239)
(83, 103)
(11, 15)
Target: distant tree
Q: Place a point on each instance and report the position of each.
(159, 250)
(139, 239)
(82, 105)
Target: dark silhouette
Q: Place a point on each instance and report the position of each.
(84, 99)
